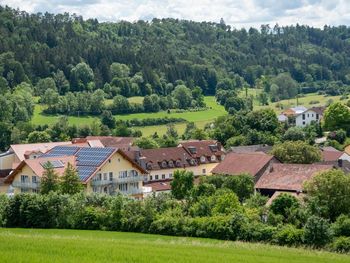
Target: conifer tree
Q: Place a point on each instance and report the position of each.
(70, 183)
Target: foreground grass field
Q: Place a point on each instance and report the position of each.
(200, 117)
(26, 245)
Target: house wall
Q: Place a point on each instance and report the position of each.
(116, 164)
(26, 170)
(310, 116)
(202, 169)
(6, 161)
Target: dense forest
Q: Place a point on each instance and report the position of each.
(163, 51)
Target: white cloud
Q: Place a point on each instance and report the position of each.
(238, 13)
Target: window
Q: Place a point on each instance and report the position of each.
(204, 171)
(171, 164)
(105, 176)
(312, 115)
(150, 177)
(308, 115)
(317, 116)
(303, 122)
(178, 163)
(203, 159)
(95, 189)
(24, 190)
(156, 177)
(24, 179)
(35, 179)
(163, 176)
(110, 176)
(109, 160)
(170, 175)
(123, 187)
(123, 174)
(35, 191)
(213, 158)
(303, 116)
(164, 164)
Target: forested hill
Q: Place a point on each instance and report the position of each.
(161, 52)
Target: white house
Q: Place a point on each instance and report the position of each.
(308, 116)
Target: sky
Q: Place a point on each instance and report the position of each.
(237, 13)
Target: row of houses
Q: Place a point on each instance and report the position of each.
(113, 165)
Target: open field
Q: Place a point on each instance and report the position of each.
(29, 245)
(199, 117)
(305, 101)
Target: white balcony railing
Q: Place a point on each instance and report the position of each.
(27, 185)
(115, 181)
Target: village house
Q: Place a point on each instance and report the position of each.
(101, 170)
(253, 163)
(288, 177)
(301, 116)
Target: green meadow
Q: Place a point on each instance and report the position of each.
(199, 117)
(42, 246)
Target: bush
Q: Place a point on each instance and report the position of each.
(341, 227)
(341, 244)
(317, 231)
(314, 102)
(289, 235)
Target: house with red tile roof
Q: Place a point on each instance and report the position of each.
(253, 163)
(288, 177)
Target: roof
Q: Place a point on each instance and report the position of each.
(198, 148)
(299, 196)
(86, 160)
(37, 165)
(282, 118)
(112, 141)
(237, 163)
(299, 109)
(251, 148)
(155, 157)
(21, 149)
(289, 177)
(330, 154)
(159, 186)
(319, 110)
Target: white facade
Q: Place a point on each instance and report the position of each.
(305, 118)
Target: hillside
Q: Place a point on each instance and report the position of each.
(24, 245)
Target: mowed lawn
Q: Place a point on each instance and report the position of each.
(199, 117)
(29, 245)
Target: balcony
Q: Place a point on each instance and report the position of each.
(133, 191)
(26, 185)
(128, 179)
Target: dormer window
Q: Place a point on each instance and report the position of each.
(213, 147)
(192, 162)
(164, 164)
(222, 157)
(178, 163)
(149, 166)
(213, 158)
(171, 163)
(192, 149)
(203, 159)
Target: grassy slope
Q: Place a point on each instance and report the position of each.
(25, 245)
(200, 117)
(305, 101)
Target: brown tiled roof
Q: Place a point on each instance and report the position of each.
(319, 110)
(289, 177)
(251, 148)
(159, 186)
(112, 141)
(203, 148)
(330, 154)
(155, 157)
(237, 163)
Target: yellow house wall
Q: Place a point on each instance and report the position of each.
(197, 170)
(7, 161)
(118, 163)
(25, 171)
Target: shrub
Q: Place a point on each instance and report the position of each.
(314, 102)
(4, 202)
(317, 231)
(289, 235)
(341, 244)
(341, 227)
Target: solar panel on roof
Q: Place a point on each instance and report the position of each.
(61, 151)
(85, 172)
(54, 164)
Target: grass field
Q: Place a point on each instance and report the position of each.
(305, 101)
(28, 245)
(199, 117)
